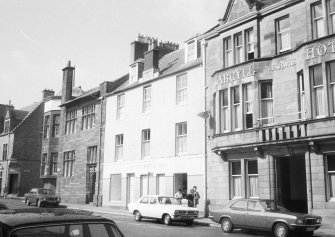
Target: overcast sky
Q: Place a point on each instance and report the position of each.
(38, 37)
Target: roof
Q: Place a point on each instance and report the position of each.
(18, 217)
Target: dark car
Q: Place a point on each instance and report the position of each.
(55, 223)
(41, 196)
(264, 215)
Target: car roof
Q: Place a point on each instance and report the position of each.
(19, 217)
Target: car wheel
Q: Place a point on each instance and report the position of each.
(137, 216)
(189, 223)
(167, 219)
(39, 203)
(27, 202)
(226, 225)
(281, 230)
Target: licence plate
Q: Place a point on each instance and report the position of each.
(310, 229)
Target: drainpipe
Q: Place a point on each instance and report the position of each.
(310, 176)
(100, 142)
(203, 45)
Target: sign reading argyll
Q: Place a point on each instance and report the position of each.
(320, 50)
(234, 75)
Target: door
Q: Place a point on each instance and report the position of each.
(131, 198)
(180, 182)
(91, 179)
(13, 183)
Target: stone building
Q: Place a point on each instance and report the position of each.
(154, 142)
(270, 72)
(81, 140)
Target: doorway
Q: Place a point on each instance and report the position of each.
(131, 197)
(90, 183)
(291, 183)
(180, 182)
(13, 184)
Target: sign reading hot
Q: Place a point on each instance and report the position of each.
(320, 50)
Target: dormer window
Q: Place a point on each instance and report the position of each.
(6, 127)
(136, 71)
(191, 50)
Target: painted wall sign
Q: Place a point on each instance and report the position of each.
(280, 65)
(320, 50)
(234, 75)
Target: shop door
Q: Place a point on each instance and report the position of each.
(90, 183)
(291, 183)
(13, 183)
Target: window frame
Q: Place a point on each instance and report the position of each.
(53, 163)
(146, 104)
(315, 107)
(181, 88)
(92, 155)
(88, 116)
(228, 52)
(247, 102)
(145, 143)
(69, 158)
(281, 32)
(55, 125)
(330, 194)
(314, 20)
(6, 126)
(224, 111)
(331, 18)
(5, 151)
(269, 119)
(181, 139)
(46, 127)
(119, 141)
(120, 106)
(248, 175)
(238, 48)
(236, 108)
(70, 121)
(331, 86)
(44, 164)
(232, 176)
(249, 44)
(191, 54)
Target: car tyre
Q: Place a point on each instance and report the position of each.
(137, 216)
(167, 219)
(189, 223)
(39, 203)
(226, 225)
(281, 230)
(27, 202)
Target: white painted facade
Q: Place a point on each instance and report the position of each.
(162, 166)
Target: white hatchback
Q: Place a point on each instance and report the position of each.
(163, 208)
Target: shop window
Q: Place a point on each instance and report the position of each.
(181, 138)
(330, 174)
(181, 89)
(119, 147)
(249, 44)
(248, 110)
(318, 91)
(120, 110)
(236, 179)
(266, 103)
(317, 20)
(283, 34)
(238, 52)
(236, 108)
(331, 81)
(224, 115)
(46, 126)
(145, 143)
(331, 15)
(115, 187)
(228, 52)
(252, 178)
(146, 99)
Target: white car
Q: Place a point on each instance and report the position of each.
(163, 208)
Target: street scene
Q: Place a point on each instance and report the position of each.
(164, 118)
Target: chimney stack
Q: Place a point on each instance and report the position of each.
(68, 82)
(47, 93)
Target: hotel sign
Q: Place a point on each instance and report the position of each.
(320, 50)
(234, 75)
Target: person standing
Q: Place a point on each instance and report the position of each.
(179, 196)
(190, 198)
(196, 196)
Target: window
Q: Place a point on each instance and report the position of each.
(181, 138)
(252, 178)
(254, 206)
(301, 94)
(330, 172)
(44, 164)
(318, 21)
(240, 205)
(145, 200)
(133, 73)
(146, 99)
(181, 89)
(266, 103)
(54, 162)
(331, 81)
(119, 147)
(144, 185)
(228, 52)
(120, 106)
(4, 151)
(55, 126)
(236, 179)
(224, 115)
(236, 108)
(70, 122)
(92, 152)
(160, 184)
(46, 126)
(6, 127)
(115, 187)
(145, 143)
(191, 50)
(318, 92)
(247, 97)
(331, 15)
(88, 117)
(283, 34)
(249, 44)
(69, 158)
(238, 48)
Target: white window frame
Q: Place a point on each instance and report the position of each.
(269, 119)
(236, 115)
(318, 111)
(233, 177)
(181, 138)
(224, 111)
(145, 143)
(249, 44)
(120, 109)
(330, 175)
(6, 126)
(54, 163)
(238, 48)
(331, 74)
(247, 103)
(70, 121)
(318, 29)
(146, 99)
(68, 163)
(44, 164)
(46, 132)
(281, 33)
(181, 89)
(228, 52)
(88, 117)
(55, 125)
(119, 140)
(331, 17)
(248, 178)
(191, 50)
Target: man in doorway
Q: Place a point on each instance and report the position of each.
(196, 196)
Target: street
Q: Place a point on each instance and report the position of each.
(150, 228)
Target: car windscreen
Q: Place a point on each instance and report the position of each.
(45, 191)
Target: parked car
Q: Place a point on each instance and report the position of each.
(3, 207)
(264, 215)
(163, 208)
(41, 196)
(58, 222)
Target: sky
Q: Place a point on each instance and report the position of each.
(39, 37)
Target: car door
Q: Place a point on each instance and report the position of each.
(255, 217)
(238, 212)
(143, 206)
(153, 209)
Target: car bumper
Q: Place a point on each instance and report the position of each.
(183, 218)
(305, 228)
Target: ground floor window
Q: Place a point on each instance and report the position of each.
(160, 184)
(252, 179)
(115, 187)
(236, 179)
(144, 185)
(69, 158)
(330, 172)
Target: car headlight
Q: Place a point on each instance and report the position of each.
(300, 220)
(318, 220)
